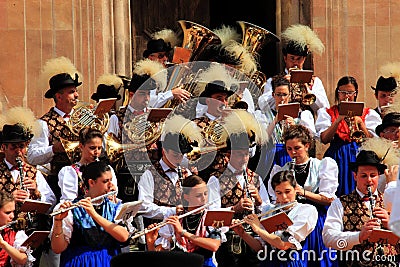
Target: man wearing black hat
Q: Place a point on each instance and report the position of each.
(241, 190)
(46, 147)
(295, 51)
(351, 218)
(108, 86)
(385, 90)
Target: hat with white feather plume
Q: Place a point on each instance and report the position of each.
(18, 124)
(301, 40)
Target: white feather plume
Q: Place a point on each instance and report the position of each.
(391, 69)
(383, 149)
(110, 79)
(152, 68)
(168, 35)
(179, 124)
(22, 115)
(304, 36)
(56, 66)
(227, 33)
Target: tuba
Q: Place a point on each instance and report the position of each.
(254, 38)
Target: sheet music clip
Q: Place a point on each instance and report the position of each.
(218, 218)
(35, 239)
(31, 205)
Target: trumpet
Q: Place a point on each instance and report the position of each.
(75, 205)
(20, 222)
(299, 92)
(163, 223)
(277, 208)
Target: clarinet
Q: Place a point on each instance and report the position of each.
(292, 164)
(21, 173)
(246, 185)
(371, 200)
(180, 175)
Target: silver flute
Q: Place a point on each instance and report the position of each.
(75, 205)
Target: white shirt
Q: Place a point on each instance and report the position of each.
(146, 193)
(322, 176)
(39, 151)
(324, 121)
(43, 187)
(266, 99)
(333, 234)
(158, 100)
(214, 194)
(68, 181)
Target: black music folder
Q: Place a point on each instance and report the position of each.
(219, 218)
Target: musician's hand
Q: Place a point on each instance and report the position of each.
(64, 214)
(382, 215)
(179, 209)
(151, 236)
(194, 170)
(180, 94)
(287, 77)
(289, 120)
(86, 203)
(245, 204)
(391, 173)
(30, 184)
(253, 221)
(340, 118)
(174, 221)
(239, 228)
(20, 195)
(367, 228)
(255, 195)
(58, 147)
(299, 190)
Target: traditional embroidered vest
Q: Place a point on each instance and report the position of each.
(7, 185)
(165, 193)
(343, 131)
(355, 215)
(58, 129)
(230, 190)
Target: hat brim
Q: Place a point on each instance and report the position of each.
(204, 95)
(52, 91)
(97, 97)
(381, 167)
(16, 140)
(381, 127)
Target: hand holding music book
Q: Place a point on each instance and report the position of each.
(157, 114)
(382, 236)
(104, 106)
(129, 209)
(219, 218)
(31, 205)
(291, 109)
(35, 239)
(301, 76)
(276, 222)
(351, 108)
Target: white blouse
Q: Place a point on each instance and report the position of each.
(322, 176)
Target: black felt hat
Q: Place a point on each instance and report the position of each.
(155, 46)
(105, 91)
(138, 80)
(214, 87)
(15, 134)
(240, 141)
(60, 81)
(390, 119)
(370, 158)
(177, 142)
(385, 84)
(294, 48)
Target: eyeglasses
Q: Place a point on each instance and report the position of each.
(347, 93)
(159, 55)
(281, 94)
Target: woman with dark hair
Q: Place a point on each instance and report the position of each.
(284, 246)
(11, 252)
(189, 233)
(317, 181)
(88, 235)
(70, 177)
(337, 130)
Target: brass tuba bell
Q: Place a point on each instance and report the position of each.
(196, 38)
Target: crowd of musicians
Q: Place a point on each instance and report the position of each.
(203, 141)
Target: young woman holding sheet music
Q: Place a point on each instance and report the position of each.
(11, 251)
(189, 233)
(281, 243)
(317, 181)
(341, 132)
(87, 235)
(70, 177)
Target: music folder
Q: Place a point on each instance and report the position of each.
(157, 114)
(382, 236)
(276, 222)
(301, 76)
(104, 106)
(35, 239)
(291, 109)
(219, 218)
(351, 108)
(129, 209)
(31, 205)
